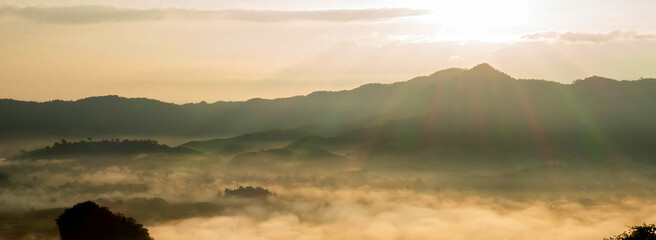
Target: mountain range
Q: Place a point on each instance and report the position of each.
(454, 111)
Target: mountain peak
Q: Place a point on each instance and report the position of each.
(483, 67)
(597, 78)
(486, 71)
(594, 79)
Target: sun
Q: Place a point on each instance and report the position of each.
(480, 20)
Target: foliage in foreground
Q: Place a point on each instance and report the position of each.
(638, 232)
(87, 220)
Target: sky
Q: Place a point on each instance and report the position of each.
(225, 50)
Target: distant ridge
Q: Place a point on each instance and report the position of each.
(484, 70)
(456, 92)
(480, 69)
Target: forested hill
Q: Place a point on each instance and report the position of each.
(65, 149)
(480, 97)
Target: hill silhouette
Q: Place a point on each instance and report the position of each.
(451, 111)
(252, 141)
(451, 89)
(287, 157)
(63, 149)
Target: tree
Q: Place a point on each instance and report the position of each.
(87, 220)
(638, 232)
(4, 180)
(248, 192)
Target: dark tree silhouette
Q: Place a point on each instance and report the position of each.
(639, 232)
(248, 192)
(4, 180)
(87, 220)
(65, 149)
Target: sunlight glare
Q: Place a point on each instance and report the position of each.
(480, 20)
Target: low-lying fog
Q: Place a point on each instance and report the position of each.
(183, 198)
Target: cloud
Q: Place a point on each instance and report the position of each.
(339, 15)
(579, 37)
(315, 213)
(76, 14)
(332, 205)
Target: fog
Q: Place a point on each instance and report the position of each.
(182, 197)
(404, 214)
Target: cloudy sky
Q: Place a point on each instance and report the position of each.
(211, 50)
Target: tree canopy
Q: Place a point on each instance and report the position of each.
(87, 220)
(638, 232)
